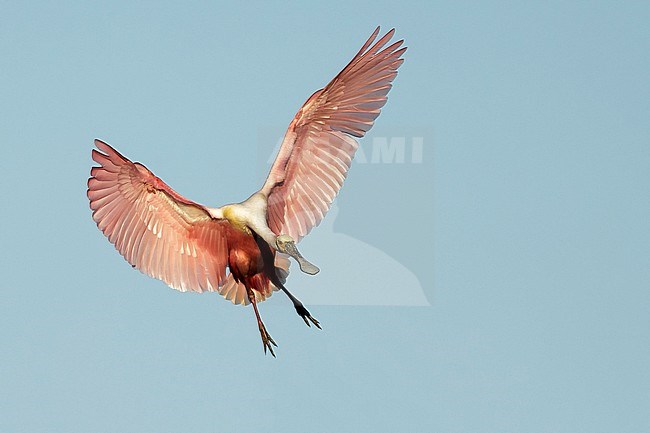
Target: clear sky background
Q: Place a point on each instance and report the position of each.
(526, 224)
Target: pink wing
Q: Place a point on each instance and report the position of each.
(157, 230)
(319, 145)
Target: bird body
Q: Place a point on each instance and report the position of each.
(191, 247)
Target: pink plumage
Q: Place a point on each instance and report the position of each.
(319, 145)
(241, 250)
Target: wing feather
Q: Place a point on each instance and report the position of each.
(163, 234)
(319, 145)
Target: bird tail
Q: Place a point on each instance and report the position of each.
(235, 292)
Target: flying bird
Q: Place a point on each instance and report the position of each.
(191, 247)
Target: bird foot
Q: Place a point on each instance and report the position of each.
(287, 245)
(306, 316)
(267, 341)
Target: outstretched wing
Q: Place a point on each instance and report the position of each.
(157, 230)
(319, 145)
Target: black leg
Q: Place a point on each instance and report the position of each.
(302, 312)
(300, 308)
(269, 270)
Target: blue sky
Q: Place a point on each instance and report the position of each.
(524, 224)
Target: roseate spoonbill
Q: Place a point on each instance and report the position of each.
(189, 246)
